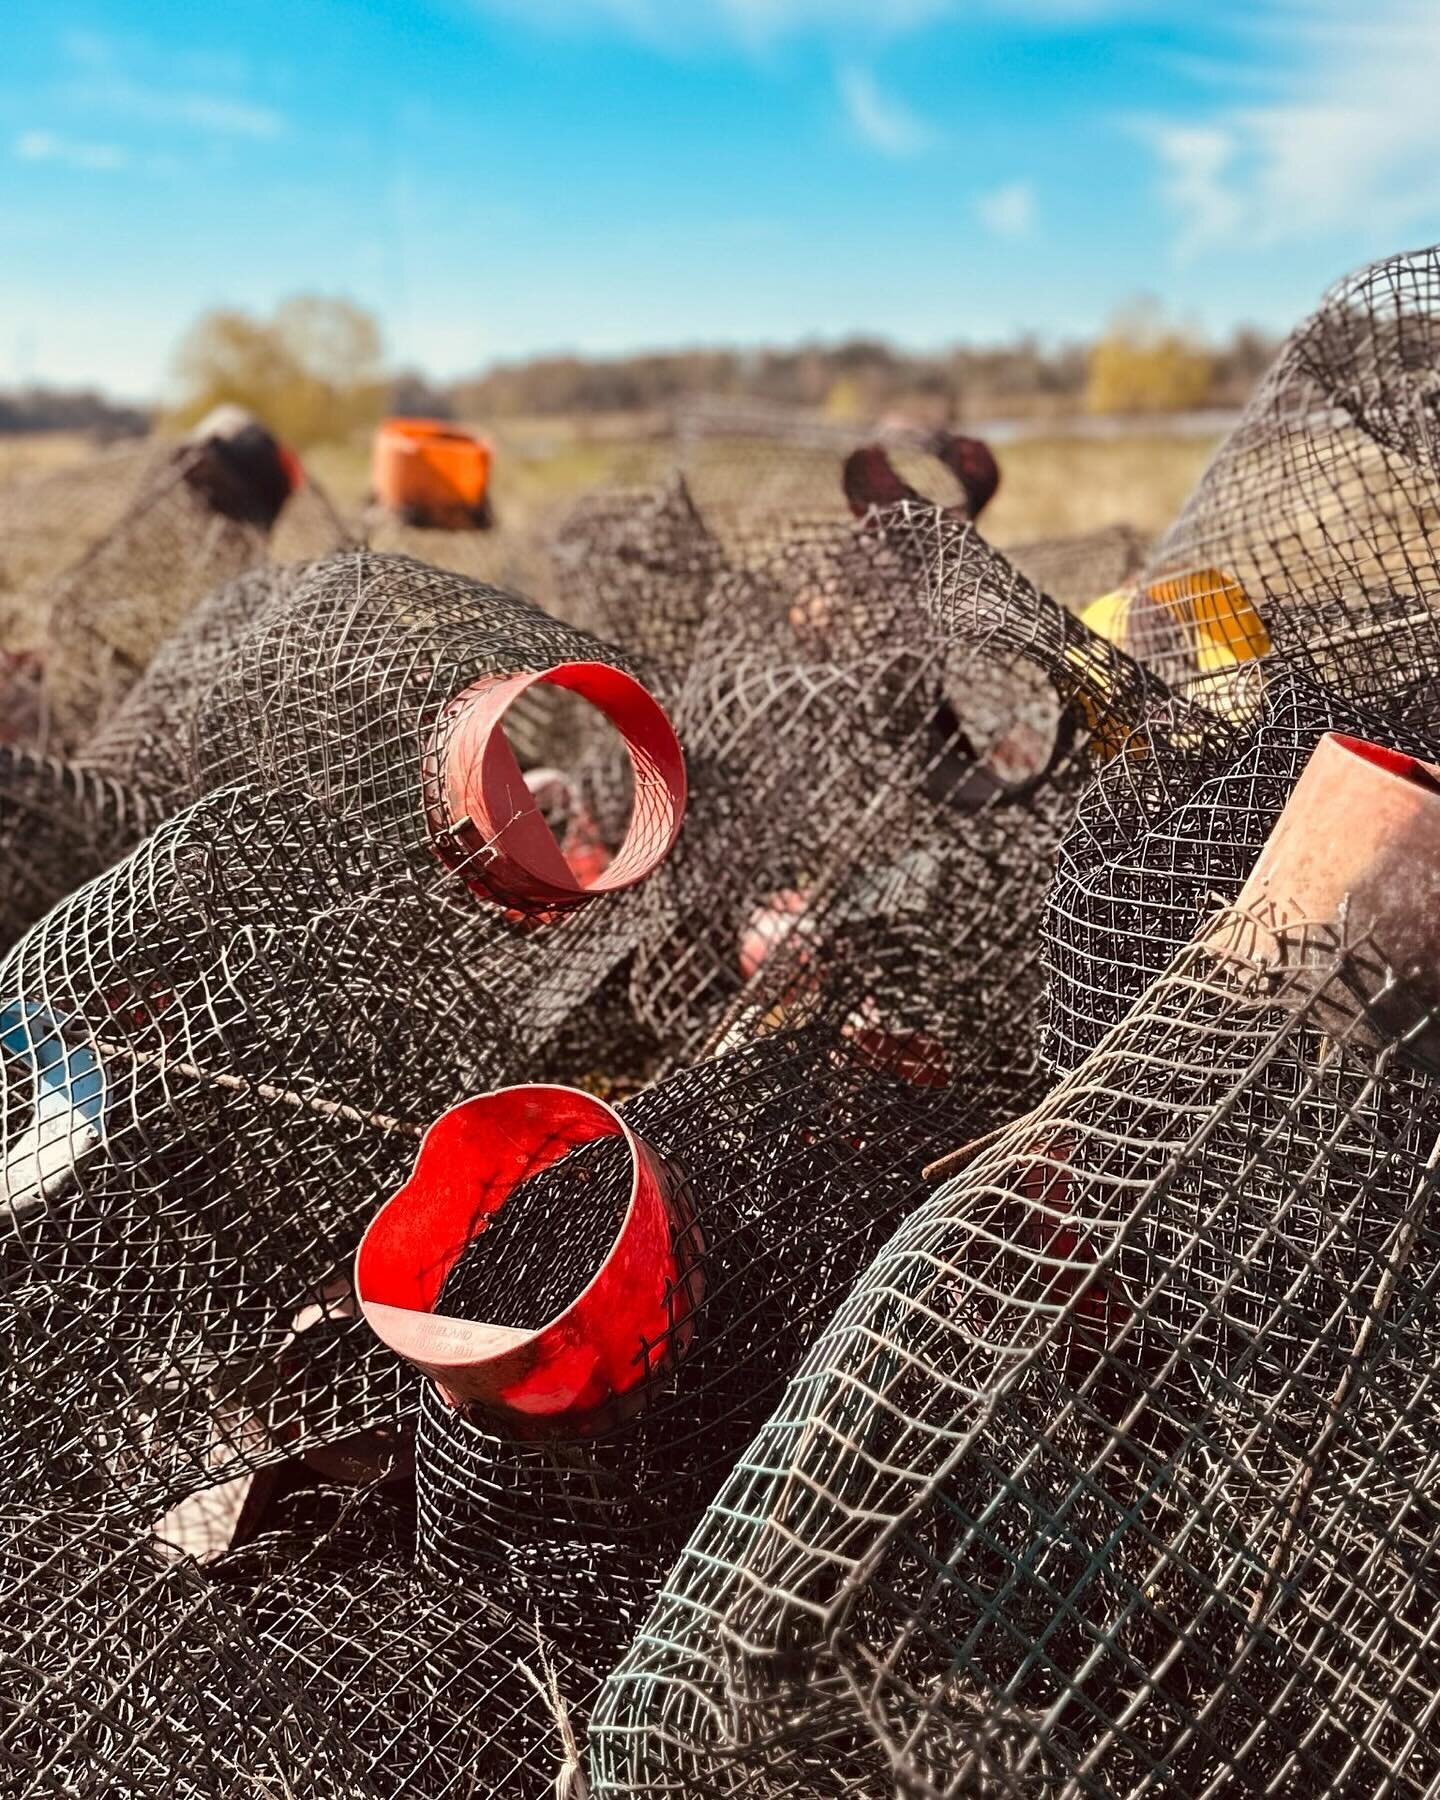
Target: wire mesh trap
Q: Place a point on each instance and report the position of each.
(197, 514)
(127, 1676)
(886, 728)
(212, 1056)
(454, 722)
(607, 1318)
(1081, 567)
(750, 465)
(436, 1692)
(1115, 1474)
(147, 741)
(637, 567)
(1315, 525)
(60, 823)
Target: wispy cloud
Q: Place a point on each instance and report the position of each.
(139, 85)
(751, 23)
(765, 21)
(883, 122)
(72, 153)
(1346, 135)
(1008, 211)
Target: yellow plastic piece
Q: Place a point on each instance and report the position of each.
(1220, 622)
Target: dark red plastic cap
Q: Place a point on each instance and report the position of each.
(567, 1373)
(485, 822)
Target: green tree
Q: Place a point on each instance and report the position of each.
(313, 371)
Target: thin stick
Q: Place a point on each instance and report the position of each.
(239, 1084)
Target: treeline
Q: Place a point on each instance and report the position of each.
(57, 409)
(315, 370)
(1137, 366)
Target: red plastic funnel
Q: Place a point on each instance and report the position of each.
(485, 822)
(632, 1318)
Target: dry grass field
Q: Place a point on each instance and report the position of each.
(1052, 484)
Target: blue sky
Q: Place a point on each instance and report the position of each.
(500, 177)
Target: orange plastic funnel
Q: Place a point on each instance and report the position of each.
(430, 471)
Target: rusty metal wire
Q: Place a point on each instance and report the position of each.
(60, 823)
(148, 537)
(215, 1056)
(1079, 568)
(1323, 504)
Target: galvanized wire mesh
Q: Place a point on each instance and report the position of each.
(435, 1692)
(147, 742)
(1079, 568)
(104, 560)
(1324, 502)
(749, 466)
(638, 567)
(1115, 1473)
(342, 693)
(215, 1057)
(797, 1155)
(60, 823)
(338, 691)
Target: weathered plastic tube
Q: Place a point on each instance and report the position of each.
(484, 819)
(1356, 850)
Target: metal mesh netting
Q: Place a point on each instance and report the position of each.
(1115, 1473)
(126, 1676)
(747, 465)
(150, 532)
(639, 567)
(147, 741)
(337, 692)
(886, 727)
(215, 1056)
(1323, 503)
(350, 690)
(797, 1155)
(435, 1691)
(60, 823)
(1081, 567)
(49, 519)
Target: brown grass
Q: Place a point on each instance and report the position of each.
(1051, 486)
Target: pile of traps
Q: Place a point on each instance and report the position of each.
(808, 1171)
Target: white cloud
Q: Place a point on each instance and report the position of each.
(1345, 136)
(754, 24)
(163, 94)
(71, 153)
(883, 122)
(1008, 211)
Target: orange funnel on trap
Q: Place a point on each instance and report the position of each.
(588, 1364)
(431, 473)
